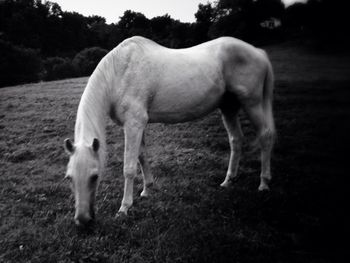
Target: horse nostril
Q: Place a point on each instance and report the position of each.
(82, 220)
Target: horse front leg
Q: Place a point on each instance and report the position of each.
(133, 131)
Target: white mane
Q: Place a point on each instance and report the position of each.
(94, 107)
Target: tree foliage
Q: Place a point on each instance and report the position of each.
(86, 61)
(18, 64)
(58, 68)
(134, 23)
(41, 27)
(204, 20)
(242, 18)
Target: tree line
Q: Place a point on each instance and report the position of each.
(39, 41)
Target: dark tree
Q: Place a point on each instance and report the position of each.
(58, 68)
(98, 31)
(204, 19)
(18, 65)
(74, 32)
(115, 36)
(329, 22)
(86, 60)
(134, 23)
(230, 18)
(161, 27)
(181, 35)
(242, 18)
(42, 28)
(296, 15)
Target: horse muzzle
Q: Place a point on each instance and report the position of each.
(84, 218)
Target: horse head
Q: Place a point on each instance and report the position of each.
(83, 172)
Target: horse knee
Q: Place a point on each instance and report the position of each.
(266, 139)
(236, 143)
(130, 172)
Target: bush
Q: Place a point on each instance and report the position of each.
(86, 60)
(58, 68)
(18, 64)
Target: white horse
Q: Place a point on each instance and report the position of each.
(141, 82)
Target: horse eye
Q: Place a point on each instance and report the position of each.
(94, 178)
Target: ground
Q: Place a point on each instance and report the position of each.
(188, 218)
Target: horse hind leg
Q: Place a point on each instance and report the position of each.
(233, 128)
(265, 138)
(145, 169)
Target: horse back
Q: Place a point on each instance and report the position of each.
(175, 85)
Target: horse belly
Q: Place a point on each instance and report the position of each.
(187, 85)
(184, 103)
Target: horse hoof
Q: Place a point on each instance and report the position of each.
(263, 187)
(121, 215)
(144, 194)
(150, 188)
(225, 184)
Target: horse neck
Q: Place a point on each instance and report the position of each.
(92, 114)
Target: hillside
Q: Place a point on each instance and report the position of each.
(188, 218)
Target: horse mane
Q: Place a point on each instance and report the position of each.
(94, 105)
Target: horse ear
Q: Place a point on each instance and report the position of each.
(68, 146)
(95, 145)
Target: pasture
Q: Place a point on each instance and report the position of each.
(188, 217)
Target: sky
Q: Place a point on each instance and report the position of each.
(289, 2)
(182, 10)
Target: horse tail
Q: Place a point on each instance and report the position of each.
(268, 131)
(268, 98)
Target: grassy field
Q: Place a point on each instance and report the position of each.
(188, 218)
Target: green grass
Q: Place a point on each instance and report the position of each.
(188, 218)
